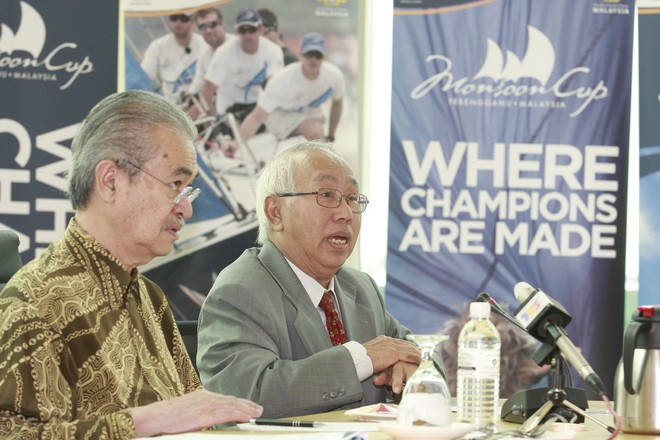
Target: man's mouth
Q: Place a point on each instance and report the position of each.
(338, 240)
(175, 226)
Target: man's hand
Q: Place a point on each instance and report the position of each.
(192, 412)
(385, 352)
(396, 376)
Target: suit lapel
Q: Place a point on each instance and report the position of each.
(357, 317)
(307, 323)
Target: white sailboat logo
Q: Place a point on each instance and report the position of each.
(537, 63)
(30, 36)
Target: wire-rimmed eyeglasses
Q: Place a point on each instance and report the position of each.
(189, 192)
(331, 198)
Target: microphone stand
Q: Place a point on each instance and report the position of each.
(516, 407)
(557, 396)
(540, 401)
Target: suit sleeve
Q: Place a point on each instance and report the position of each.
(247, 349)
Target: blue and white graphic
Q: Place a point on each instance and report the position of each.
(508, 162)
(53, 68)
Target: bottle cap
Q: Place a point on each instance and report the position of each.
(480, 310)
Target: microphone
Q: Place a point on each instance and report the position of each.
(545, 318)
(187, 50)
(495, 307)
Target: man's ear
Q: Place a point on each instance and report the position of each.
(273, 212)
(106, 175)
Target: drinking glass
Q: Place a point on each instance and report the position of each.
(425, 399)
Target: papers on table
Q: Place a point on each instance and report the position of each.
(307, 435)
(347, 427)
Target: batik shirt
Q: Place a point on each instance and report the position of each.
(81, 342)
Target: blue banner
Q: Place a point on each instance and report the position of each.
(509, 159)
(57, 59)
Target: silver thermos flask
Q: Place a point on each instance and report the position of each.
(637, 379)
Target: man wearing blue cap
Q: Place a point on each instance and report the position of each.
(240, 67)
(293, 101)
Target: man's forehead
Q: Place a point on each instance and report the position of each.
(334, 178)
(210, 17)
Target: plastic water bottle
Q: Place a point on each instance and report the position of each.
(478, 375)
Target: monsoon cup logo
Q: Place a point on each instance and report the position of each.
(538, 62)
(21, 55)
(332, 2)
(505, 80)
(332, 9)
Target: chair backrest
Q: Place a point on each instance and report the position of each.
(10, 259)
(188, 330)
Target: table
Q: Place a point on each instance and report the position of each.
(594, 431)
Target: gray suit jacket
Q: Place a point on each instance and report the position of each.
(261, 338)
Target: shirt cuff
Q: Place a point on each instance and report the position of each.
(363, 365)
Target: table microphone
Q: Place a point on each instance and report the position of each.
(495, 307)
(544, 318)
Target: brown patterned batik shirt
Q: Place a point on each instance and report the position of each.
(81, 341)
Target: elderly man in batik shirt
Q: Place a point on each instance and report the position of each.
(89, 347)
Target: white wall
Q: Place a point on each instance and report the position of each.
(375, 174)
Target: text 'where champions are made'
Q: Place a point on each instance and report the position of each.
(531, 198)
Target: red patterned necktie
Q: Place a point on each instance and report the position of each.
(332, 321)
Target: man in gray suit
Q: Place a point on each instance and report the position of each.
(262, 329)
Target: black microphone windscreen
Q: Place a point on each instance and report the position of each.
(483, 297)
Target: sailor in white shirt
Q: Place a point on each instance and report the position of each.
(241, 66)
(211, 25)
(171, 60)
(294, 99)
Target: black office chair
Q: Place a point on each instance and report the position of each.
(188, 330)
(10, 259)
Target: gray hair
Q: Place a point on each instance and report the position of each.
(279, 176)
(120, 128)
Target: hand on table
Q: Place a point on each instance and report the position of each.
(394, 360)
(396, 376)
(192, 412)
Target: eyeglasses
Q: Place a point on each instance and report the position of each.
(314, 54)
(183, 18)
(331, 198)
(210, 25)
(246, 29)
(189, 192)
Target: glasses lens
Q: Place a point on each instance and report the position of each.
(183, 18)
(314, 54)
(189, 192)
(353, 203)
(194, 194)
(362, 202)
(329, 198)
(210, 25)
(357, 202)
(247, 30)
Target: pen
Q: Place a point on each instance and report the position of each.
(290, 423)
